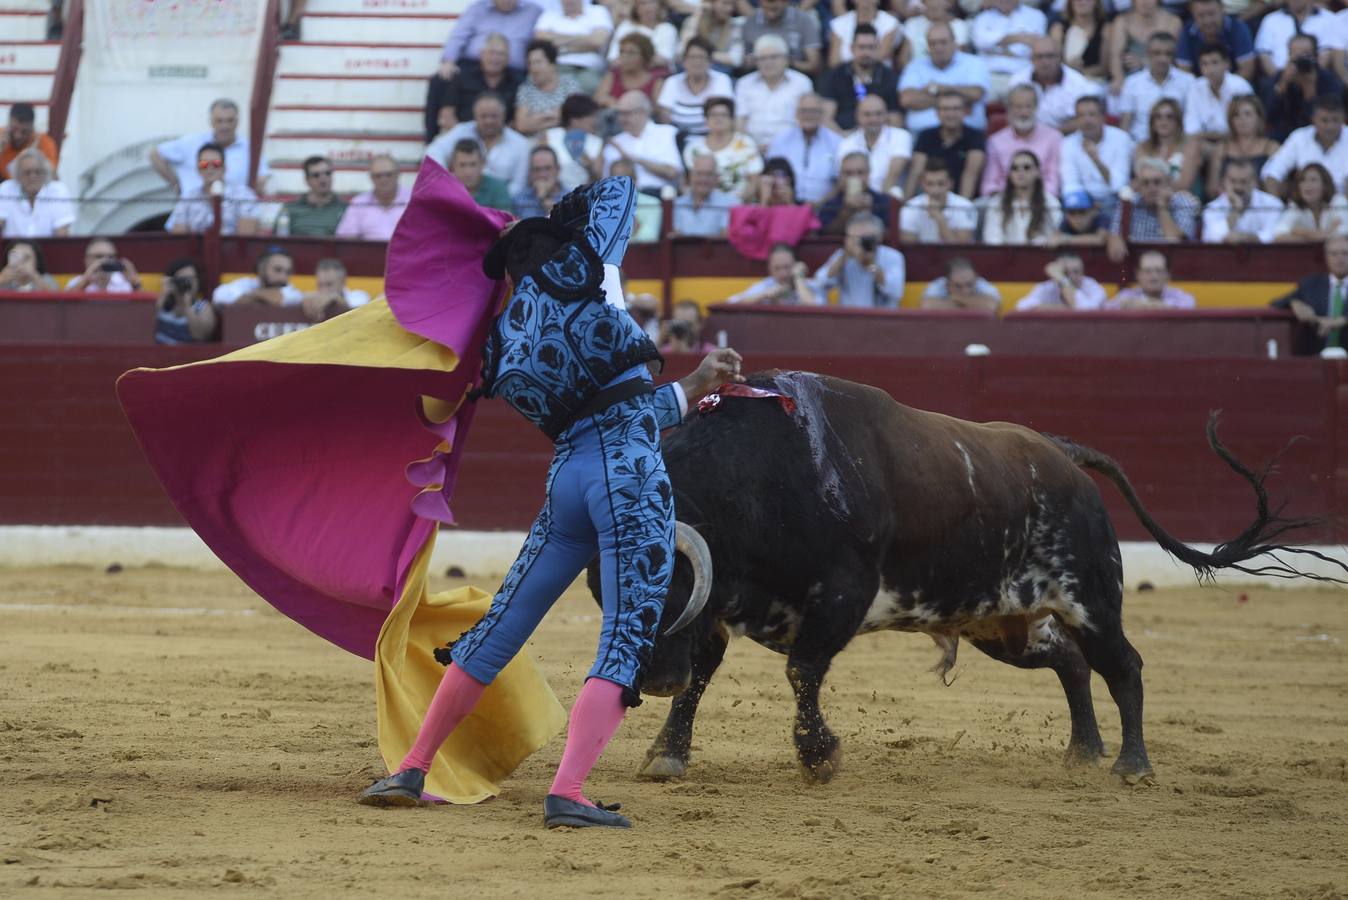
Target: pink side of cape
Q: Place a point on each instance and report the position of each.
(754, 230)
(302, 477)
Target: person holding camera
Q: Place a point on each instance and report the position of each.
(104, 271)
(183, 315)
(25, 269)
(331, 296)
(1298, 84)
(866, 273)
(851, 195)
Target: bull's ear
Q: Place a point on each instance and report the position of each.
(688, 542)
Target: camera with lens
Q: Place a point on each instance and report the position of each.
(183, 284)
(869, 243)
(112, 265)
(1305, 65)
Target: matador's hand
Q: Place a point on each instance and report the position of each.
(718, 367)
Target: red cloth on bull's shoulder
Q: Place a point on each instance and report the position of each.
(710, 402)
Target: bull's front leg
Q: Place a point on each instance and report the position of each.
(670, 751)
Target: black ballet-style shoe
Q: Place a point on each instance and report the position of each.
(559, 812)
(399, 789)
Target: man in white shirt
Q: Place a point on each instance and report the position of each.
(1298, 17)
(946, 67)
(1058, 86)
(1002, 35)
(1159, 80)
(194, 213)
(1321, 141)
(271, 286)
(649, 146)
(1068, 287)
(1242, 214)
(811, 149)
(331, 296)
(939, 216)
(767, 99)
(1206, 101)
(176, 160)
(888, 147)
(1098, 158)
(32, 205)
(506, 149)
(580, 31)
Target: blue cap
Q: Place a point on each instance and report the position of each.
(1077, 200)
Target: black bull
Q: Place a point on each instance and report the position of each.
(856, 514)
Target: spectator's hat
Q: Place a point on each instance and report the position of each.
(1077, 200)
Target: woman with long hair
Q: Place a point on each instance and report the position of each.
(1167, 141)
(651, 19)
(716, 23)
(737, 158)
(1023, 212)
(1126, 45)
(1315, 212)
(1083, 35)
(862, 12)
(778, 184)
(1246, 141)
(632, 72)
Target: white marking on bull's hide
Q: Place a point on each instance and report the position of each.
(825, 445)
(894, 610)
(968, 467)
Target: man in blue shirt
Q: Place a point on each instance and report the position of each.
(1211, 25)
(810, 148)
(702, 210)
(866, 273)
(545, 187)
(946, 68)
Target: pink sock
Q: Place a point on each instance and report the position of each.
(454, 699)
(596, 716)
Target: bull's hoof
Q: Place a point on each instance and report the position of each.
(1082, 756)
(660, 767)
(821, 771)
(1134, 770)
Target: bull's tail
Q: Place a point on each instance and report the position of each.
(1258, 539)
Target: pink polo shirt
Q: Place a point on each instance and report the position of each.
(1044, 142)
(366, 219)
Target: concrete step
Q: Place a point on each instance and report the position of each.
(22, 24)
(40, 110)
(359, 59)
(351, 146)
(287, 178)
(38, 6)
(351, 90)
(376, 29)
(387, 7)
(310, 118)
(24, 85)
(39, 56)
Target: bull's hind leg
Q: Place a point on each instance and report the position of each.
(1109, 653)
(1046, 646)
(669, 752)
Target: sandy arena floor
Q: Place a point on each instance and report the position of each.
(146, 744)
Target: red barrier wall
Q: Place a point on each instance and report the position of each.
(68, 457)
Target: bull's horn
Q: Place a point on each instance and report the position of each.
(688, 542)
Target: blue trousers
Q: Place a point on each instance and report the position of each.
(607, 493)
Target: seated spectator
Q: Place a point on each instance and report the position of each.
(946, 70)
(1002, 35)
(331, 296)
(683, 332)
(450, 102)
(863, 75)
(852, 195)
(961, 149)
(1024, 131)
(1083, 224)
(650, 212)
(917, 30)
(1317, 302)
(513, 20)
(1083, 36)
(580, 31)
(1279, 27)
(787, 284)
(1096, 158)
(797, 30)
(176, 160)
(650, 19)
(1023, 212)
(467, 164)
(26, 269)
(1321, 142)
(1068, 287)
(580, 151)
(505, 149)
(32, 204)
(645, 311)
(1160, 80)
(865, 272)
(374, 214)
(652, 148)
(703, 210)
(1059, 86)
(194, 212)
(538, 102)
(269, 287)
(1159, 214)
(1153, 290)
(683, 99)
(716, 23)
(736, 155)
(843, 30)
(317, 211)
(811, 149)
(1167, 142)
(1315, 211)
(1210, 25)
(104, 272)
(1246, 141)
(1241, 214)
(20, 134)
(889, 148)
(633, 72)
(1297, 85)
(767, 99)
(545, 186)
(961, 288)
(1209, 95)
(939, 216)
(777, 187)
(183, 315)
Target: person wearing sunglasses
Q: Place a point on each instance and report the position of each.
(194, 213)
(175, 160)
(317, 211)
